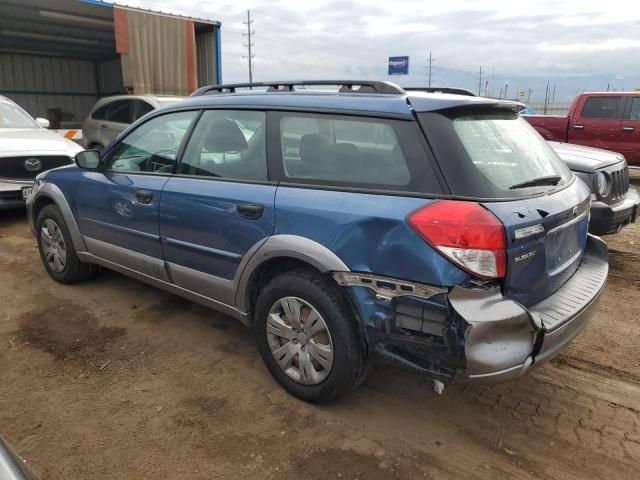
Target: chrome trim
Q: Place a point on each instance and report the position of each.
(386, 288)
(569, 223)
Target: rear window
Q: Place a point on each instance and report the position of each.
(493, 154)
(601, 107)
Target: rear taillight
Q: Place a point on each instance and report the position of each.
(466, 234)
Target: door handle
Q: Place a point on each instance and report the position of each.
(578, 126)
(252, 211)
(103, 126)
(144, 196)
(627, 129)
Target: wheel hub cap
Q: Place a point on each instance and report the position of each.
(299, 340)
(53, 246)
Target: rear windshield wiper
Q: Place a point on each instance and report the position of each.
(538, 182)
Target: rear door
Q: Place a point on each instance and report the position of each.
(598, 123)
(629, 144)
(118, 206)
(219, 204)
(118, 117)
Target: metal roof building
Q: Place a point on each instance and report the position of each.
(57, 58)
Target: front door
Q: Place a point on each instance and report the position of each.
(118, 206)
(599, 122)
(629, 144)
(219, 204)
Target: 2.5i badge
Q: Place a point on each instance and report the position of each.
(525, 256)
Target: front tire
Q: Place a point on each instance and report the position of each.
(58, 255)
(309, 337)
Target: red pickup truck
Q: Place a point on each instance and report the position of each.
(608, 120)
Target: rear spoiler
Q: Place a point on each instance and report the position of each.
(431, 103)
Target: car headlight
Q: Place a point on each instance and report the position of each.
(602, 184)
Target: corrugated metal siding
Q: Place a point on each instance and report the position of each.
(110, 77)
(206, 58)
(39, 83)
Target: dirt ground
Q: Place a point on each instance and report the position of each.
(115, 379)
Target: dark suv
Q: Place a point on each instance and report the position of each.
(437, 232)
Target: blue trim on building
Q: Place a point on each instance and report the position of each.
(218, 54)
(100, 3)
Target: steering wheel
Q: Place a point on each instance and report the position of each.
(165, 157)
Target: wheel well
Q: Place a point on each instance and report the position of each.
(269, 270)
(38, 205)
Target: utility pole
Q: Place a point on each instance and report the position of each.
(249, 44)
(486, 88)
(431, 59)
(553, 97)
(546, 99)
(480, 82)
(493, 78)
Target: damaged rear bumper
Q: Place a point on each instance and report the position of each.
(504, 340)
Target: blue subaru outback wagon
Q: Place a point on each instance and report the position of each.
(436, 232)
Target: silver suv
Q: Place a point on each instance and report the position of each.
(111, 115)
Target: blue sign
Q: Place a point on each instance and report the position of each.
(398, 65)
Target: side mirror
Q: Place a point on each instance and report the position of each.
(42, 122)
(88, 159)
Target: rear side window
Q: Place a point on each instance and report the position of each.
(601, 107)
(100, 113)
(120, 111)
(335, 149)
(493, 154)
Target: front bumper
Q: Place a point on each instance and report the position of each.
(607, 219)
(504, 340)
(11, 194)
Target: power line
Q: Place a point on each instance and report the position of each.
(249, 44)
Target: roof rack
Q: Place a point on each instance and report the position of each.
(346, 86)
(450, 90)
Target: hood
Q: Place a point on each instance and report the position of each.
(35, 141)
(585, 159)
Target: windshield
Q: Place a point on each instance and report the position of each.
(501, 154)
(12, 116)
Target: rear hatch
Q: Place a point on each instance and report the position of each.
(491, 156)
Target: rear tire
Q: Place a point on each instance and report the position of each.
(56, 248)
(319, 357)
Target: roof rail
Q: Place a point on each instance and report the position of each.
(450, 90)
(346, 86)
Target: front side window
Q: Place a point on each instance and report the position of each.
(601, 107)
(153, 146)
(227, 144)
(140, 109)
(336, 149)
(12, 116)
(635, 109)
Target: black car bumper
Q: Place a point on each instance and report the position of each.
(608, 219)
(11, 194)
